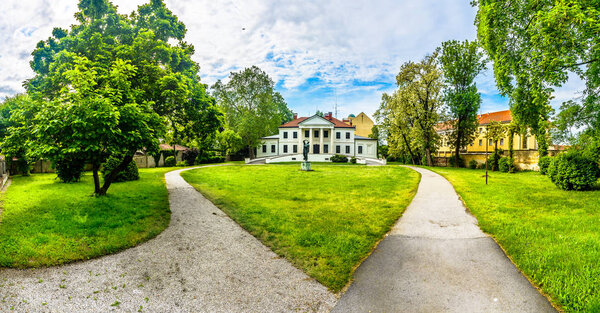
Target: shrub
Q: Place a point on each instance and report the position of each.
(543, 163)
(353, 160)
(573, 170)
(505, 164)
(128, 174)
(209, 159)
(181, 163)
(452, 161)
(339, 158)
(473, 164)
(69, 169)
(170, 161)
(190, 155)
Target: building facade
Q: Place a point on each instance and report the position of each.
(327, 136)
(524, 145)
(362, 123)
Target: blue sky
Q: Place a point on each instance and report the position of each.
(316, 51)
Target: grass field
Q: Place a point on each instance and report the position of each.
(46, 222)
(552, 235)
(325, 222)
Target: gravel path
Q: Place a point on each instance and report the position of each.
(203, 262)
(436, 259)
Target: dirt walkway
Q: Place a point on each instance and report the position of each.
(203, 262)
(436, 259)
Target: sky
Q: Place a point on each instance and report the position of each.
(318, 52)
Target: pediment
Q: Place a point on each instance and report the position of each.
(315, 120)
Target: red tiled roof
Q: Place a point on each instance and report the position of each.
(500, 116)
(484, 119)
(164, 146)
(335, 121)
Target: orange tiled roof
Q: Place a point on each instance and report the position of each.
(335, 121)
(164, 146)
(484, 119)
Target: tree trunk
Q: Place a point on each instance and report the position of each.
(111, 176)
(428, 156)
(457, 143)
(251, 152)
(95, 168)
(511, 136)
(412, 157)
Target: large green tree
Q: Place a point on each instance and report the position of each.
(461, 62)
(16, 133)
(111, 84)
(252, 107)
(535, 44)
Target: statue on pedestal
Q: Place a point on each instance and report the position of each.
(305, 164)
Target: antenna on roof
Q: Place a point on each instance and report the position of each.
(335, 107)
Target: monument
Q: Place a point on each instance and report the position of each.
(305, 164)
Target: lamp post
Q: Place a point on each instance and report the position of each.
(486, 154)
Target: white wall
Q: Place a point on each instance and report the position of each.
(269, 143)
(369, 148)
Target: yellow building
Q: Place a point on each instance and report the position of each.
(362, 122)
(524, 145)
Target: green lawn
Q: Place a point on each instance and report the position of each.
(46, 222)
(552, 235)
(325, 222)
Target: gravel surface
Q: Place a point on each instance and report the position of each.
(203, 262)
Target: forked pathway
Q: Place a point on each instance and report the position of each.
(203, 262)
(436, 259)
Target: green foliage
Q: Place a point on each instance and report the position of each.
(505, 164)
(550, 234)
(353, 160)
(330, 247)
(544, 163)
(69, 169)
(473, 164)
(47, 223)
(128, 174)
(229, 141)
(181, 164)
(112, 84)
(17, 134)
(338, 158)
(452, 161)
(253, 109)
(461, 62)
(170, 161)
(574, 170)
(410, 114)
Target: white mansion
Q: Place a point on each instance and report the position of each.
(327, 136)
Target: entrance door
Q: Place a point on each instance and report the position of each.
(316, 149)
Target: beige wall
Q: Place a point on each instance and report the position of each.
(363, 123)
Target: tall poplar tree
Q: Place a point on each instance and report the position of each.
(461, 62)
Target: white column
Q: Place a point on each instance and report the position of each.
(331, 147)
(321, 140)
(300, 143)
(310, 147)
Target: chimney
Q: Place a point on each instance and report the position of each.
(329, 114)
(295, 115)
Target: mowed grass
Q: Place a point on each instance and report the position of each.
(552, 235)
(325, 221)
(45, 222)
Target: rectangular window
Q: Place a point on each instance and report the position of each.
(359, 149)
(480, 130)
(316, 149)
(307, 133)
(284, 148)
(338, 135)
(480, 142)
(272, 148)
(338, 149)
(347, 135)
(326, 133)
(284, 135)
(264, 148)
(491, 142)
(347, 149)
(316, 134)
(295, 135)
(524, 142)
(295, 149)
(502, 141)
(325, 148)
